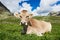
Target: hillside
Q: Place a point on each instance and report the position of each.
(4, 13)
(52, 13)
(11, 30)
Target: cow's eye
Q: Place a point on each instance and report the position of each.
(27, 16)
(20, 16)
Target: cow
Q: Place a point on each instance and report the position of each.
(31, 25)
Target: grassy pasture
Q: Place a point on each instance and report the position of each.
(11, 30)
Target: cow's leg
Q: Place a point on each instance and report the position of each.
(29, 30)
(49, 28)
(39, 34)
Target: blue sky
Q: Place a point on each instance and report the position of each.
(58, 3)
(35, 3)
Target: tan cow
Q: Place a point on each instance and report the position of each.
(35, 26)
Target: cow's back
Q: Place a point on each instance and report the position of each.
(41, 26)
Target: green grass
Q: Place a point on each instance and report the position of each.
(11, 30)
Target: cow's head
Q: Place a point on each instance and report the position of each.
(24, 16)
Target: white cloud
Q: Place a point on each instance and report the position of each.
(45, 5)
(12, 5)
(44, 14)
(47, 2)
(56, 8)
(26, 6)
(34, 13)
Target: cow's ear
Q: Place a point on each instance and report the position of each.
(16, 14)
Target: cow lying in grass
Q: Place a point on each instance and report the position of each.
(33, 26)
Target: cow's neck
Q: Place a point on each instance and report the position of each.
(31, 22)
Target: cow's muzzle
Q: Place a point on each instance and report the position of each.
(23, 23)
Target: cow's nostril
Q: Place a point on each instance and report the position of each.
(23, 22)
